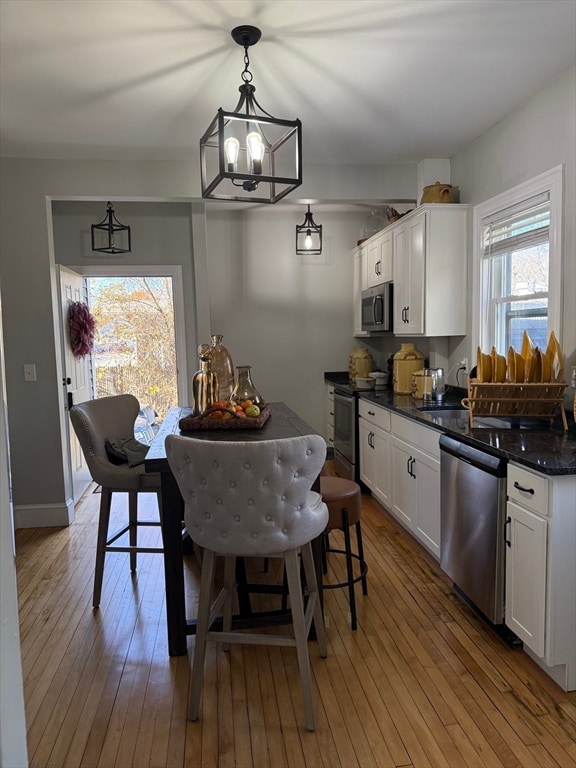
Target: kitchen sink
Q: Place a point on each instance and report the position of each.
(443, 409)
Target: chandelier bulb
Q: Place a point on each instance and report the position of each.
(231, 150)
(255, 151)
(308, 240)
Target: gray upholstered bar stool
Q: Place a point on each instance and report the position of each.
(344, 501)
(96, 422)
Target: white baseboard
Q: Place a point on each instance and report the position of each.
(43, 515)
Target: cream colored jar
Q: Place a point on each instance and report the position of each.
(407, 361)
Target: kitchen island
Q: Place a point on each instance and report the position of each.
(283, 422)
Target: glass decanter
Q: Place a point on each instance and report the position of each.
(244, 388)
(204, 382)
(222, 366)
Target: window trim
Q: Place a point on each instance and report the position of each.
(551, 182)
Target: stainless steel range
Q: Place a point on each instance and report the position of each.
(345, 437)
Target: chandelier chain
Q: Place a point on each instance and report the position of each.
(246, 75)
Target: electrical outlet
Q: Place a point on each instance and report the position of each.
(464, 363)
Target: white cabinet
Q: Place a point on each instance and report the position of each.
(540, 606)
(359, 283)
(329, 434)
(415, 465)
(526, 576)
(379, 258)
(430, 255)
(374, 442)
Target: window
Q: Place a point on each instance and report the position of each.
(517, 237)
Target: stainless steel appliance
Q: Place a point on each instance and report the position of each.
(473, 513)
(377, 308)
(345, 448)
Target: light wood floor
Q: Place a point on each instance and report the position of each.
(422, 682)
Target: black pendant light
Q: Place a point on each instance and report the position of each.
(308, 236)
(110, 236)
(248, 154)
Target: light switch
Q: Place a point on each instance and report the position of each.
(29, 372)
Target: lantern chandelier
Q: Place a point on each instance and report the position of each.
(308, 235)
(110, 236)
(248, 154)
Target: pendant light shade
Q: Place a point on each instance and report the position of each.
(110, 236)
(248, 154)
(308, 235)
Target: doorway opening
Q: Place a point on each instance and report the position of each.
(135, 342)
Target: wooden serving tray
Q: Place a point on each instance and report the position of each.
(195, 423)
(517, 401)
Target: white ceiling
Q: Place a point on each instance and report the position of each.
(376, 81)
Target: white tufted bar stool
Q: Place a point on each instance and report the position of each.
(253, 500)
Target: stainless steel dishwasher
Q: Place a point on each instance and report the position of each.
(473, 512)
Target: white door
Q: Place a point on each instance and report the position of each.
(76, 378)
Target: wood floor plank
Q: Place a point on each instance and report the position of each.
(422, 682)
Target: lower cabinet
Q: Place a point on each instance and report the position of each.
(329, 435)
(374, 442)
(526, 538)
(400, 464)
(541, 569)
(416, 491)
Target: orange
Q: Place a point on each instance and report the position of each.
(246, 404)
(216, 415)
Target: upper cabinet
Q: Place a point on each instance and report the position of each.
(379, 258)
(429, 273)
(425, 255)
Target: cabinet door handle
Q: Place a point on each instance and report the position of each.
(372, 440)
(378, 270)
(524, 490)
(409, 465)
(371, 413)
(407, 314)
(412, 467)
(506, 539)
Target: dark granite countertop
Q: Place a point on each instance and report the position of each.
(534, 443)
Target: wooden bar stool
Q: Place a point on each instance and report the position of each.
(344, 501)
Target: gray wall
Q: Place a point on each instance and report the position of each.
(254, 280)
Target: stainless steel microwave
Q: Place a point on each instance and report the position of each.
(377, 308)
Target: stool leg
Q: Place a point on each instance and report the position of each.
(202, 627)
(349, 569)
(133, 521)
(103, 521)
(361, 556)
(300, 635)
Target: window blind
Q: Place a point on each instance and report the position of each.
(517, 227)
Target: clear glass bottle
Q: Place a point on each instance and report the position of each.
(375, 221)
(204, 382)
(222, 366)
(244, 388)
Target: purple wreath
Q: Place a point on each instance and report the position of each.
(82, 325)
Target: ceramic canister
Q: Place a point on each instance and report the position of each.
(406, 361)
(360, 364)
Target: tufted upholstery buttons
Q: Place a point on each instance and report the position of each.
(237, 518)
(269, 517)
(232, 484)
